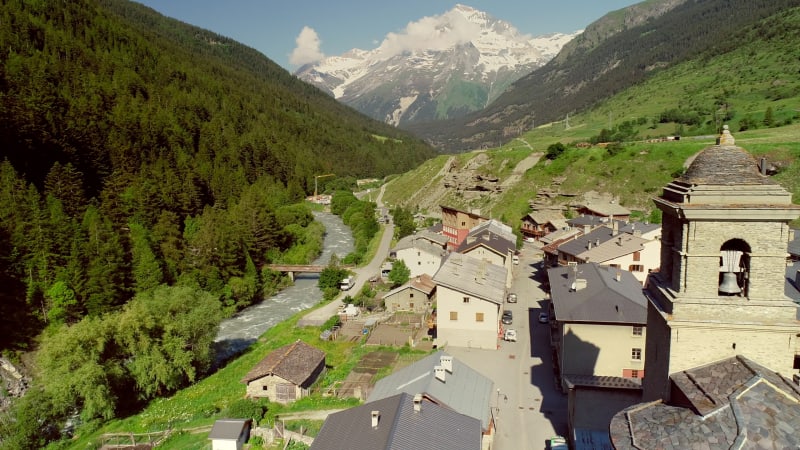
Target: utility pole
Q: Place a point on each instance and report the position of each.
(317, 177)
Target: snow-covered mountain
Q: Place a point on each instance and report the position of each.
(437, 68)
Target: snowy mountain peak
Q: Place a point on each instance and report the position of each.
(437, 67)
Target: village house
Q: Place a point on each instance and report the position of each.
(599, 321)
(456, 224)
(416, 296)
(605, 209)
(537, 224)
(616, 248)
(400, 421)
(443, 380)
(469, 297)
(492, 242)
(420, 253)
(286, 374)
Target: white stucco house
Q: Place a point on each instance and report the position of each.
(420, 254)
(470, 295)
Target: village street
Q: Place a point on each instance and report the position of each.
(528, 408)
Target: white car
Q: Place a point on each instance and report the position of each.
(512, 298)
(510, 336)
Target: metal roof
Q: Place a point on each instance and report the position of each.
(399, 427)
(228, 429)
(464, 389)
(598, 296)
(472, 276)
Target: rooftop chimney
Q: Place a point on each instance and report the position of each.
(376, 415)
(439, 373)
(446, 361)
(417, 402)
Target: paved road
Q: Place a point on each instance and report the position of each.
(319, 316)
(531, 409)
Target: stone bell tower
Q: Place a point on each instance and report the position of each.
(720, 289)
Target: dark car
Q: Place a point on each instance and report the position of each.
(507, 318)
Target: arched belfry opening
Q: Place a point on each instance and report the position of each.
(734, 268)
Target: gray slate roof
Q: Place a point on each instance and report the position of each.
(472, 276)
(602, 300)
(733, 403)
(581, 244)
(399, 427)
(643, 227)
(494, 242)
(464, 390)
(421, 244)
(496, 227)
(724, 165)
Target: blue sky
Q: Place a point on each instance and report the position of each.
(290, 32)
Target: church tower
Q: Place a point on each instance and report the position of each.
(720, 289)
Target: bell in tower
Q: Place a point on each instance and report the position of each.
(729, 272)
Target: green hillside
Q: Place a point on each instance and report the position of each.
(758, 38)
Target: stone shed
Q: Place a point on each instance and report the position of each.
(286, 374)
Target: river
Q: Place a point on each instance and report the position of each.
(240, 331)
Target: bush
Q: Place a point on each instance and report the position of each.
(245, 409)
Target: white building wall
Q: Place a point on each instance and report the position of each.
(649, 259)
(419, 261)
(465, 330)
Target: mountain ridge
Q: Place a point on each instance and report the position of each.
(465, 61)
(601, 62)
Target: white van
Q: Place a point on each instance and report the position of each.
(347, 283)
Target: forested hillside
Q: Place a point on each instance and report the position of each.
(599, 65)
(148, 170)
(134, 143)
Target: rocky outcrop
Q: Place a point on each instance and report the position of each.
(15, 383)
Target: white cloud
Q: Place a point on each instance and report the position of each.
(434, 33)
(307, 50)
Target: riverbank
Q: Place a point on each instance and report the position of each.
(319, 316)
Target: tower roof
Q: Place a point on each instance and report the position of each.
(725, 176)
(724, 165)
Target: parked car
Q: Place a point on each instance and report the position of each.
(508, 317)
(544, 317)
(515, 259)
(512, 298)
(510, 335)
